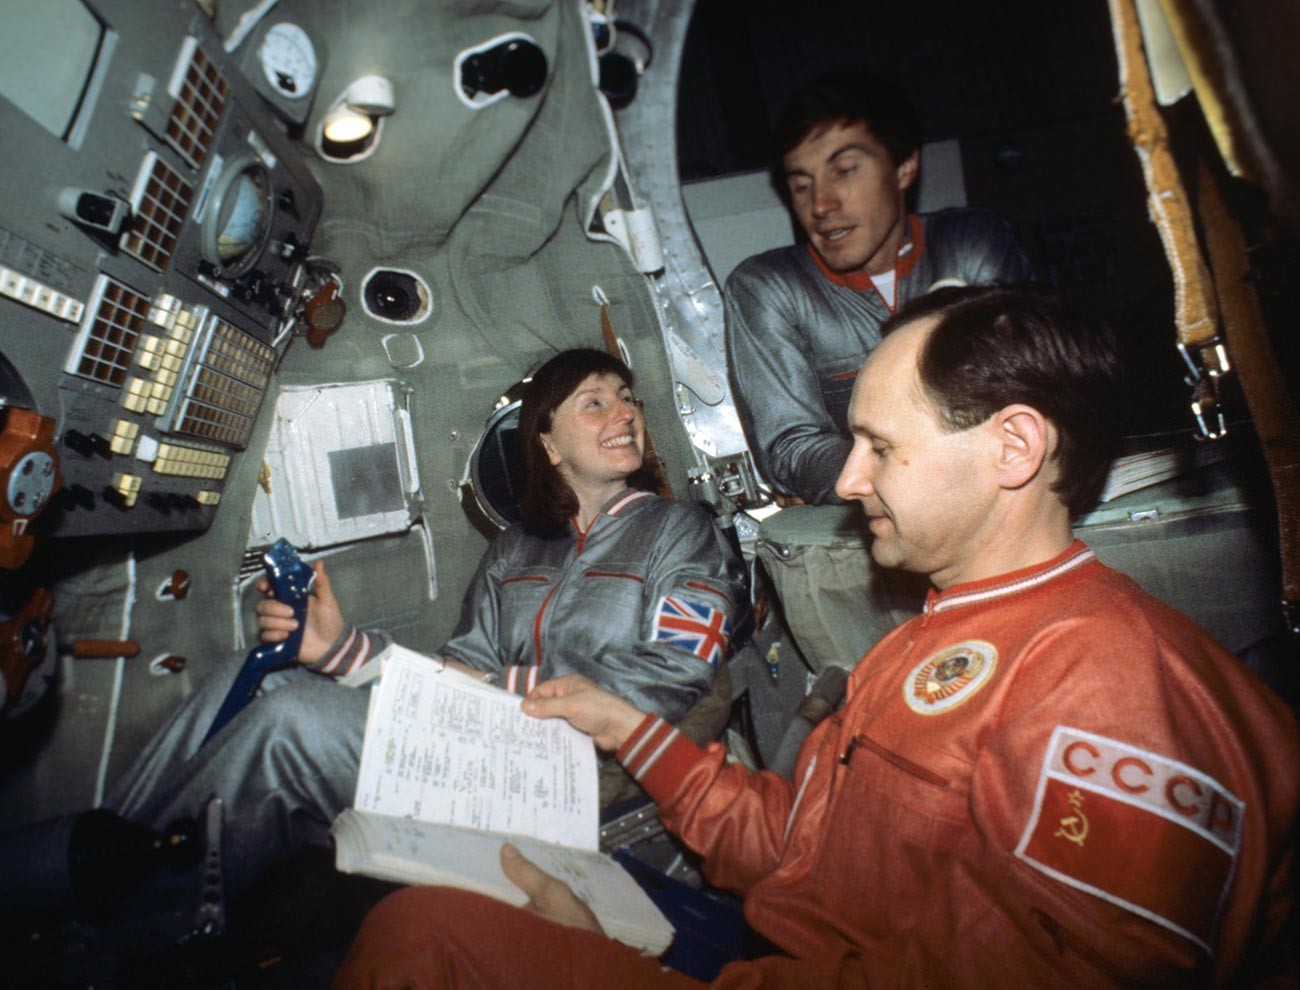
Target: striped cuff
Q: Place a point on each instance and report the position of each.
(352, 649)
(658, 757)
(521, 679)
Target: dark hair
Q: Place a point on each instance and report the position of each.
(849, 98)
(997, 346)
(547, 502)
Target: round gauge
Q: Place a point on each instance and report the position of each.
(288, 60)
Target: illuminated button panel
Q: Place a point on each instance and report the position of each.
(159, 204)
(196, 373)
(225, 387)
(201, 92)
(190, 462)
(142, 395)
(127, 487)
(109, 341)
(38, 295)
(125, 433)
(161, 356)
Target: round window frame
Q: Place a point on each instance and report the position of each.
(213, 222)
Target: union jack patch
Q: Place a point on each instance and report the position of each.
(694, 627)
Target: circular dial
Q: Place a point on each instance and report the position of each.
(288, 59)
(31, 482)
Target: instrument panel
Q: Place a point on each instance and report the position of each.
(153, 245)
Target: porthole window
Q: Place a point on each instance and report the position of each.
(394, 295)
(496, 466)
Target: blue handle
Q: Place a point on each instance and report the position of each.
(291, 580)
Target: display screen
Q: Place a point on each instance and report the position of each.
(243, 216)
(366, 481)
(239, 222)
(46, 58)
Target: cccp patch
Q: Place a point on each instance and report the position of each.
(1137, 829)
(941, 682)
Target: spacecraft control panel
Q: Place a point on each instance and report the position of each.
(154, 233)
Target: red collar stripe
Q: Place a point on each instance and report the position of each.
(625, 501)
(909, 253)
(1076, 557)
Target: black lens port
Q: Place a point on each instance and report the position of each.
(393, 296)
(516, 65)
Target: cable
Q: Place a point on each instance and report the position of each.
(119, 669)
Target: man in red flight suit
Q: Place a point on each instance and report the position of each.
(1048, 778)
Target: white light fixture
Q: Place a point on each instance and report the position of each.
(343, 125)
(352, 122)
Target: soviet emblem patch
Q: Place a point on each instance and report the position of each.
(1137, 829)
(941, 682)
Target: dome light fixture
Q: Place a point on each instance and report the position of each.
(351, 126)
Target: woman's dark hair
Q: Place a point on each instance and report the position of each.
(547, 502)
(996, 346)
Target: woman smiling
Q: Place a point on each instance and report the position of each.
(603, 578)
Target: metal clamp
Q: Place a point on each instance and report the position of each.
(1291, 615)
(1206, 366)
(728, 483)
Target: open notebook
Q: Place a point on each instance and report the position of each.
(451, 768)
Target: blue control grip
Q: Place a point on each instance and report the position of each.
(291, 581)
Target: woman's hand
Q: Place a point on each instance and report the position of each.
(606, 717)
(324, 618)
(553, 899)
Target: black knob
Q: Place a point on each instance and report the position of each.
(74, 497)
(264, 289)
(618, 78)
(75, 440)
(114, 498)
(291, 249)
(524, 68)
(87, 443)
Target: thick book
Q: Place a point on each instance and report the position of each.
(451, 768)
(1146, 466)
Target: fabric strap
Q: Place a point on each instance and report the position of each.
(1276, 422)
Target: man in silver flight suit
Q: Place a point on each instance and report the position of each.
(637, 592)
(801, 320)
